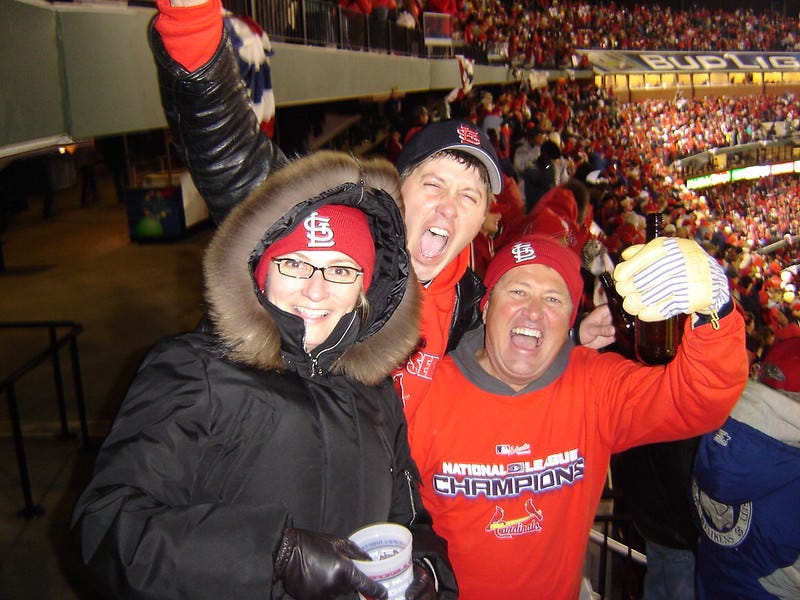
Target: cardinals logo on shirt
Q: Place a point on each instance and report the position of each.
(504, 528)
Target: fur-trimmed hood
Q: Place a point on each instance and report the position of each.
(248, 330)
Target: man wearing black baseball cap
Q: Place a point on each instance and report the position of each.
(453, 134)
(449, 173)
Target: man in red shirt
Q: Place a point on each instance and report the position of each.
(515, 436)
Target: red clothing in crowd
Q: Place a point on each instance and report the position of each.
(389, 4)
(413, 379)
(510, 205)
(447, 7)
(411, 133)
(358, 6)
(791, 330)
(556, 215)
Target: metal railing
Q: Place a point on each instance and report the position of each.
(613, 568)
(325, 23)
(618, 565)
(8, 386)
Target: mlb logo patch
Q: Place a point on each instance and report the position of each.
(721, 438)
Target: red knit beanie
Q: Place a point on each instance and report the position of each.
(537, 250)
(331, 227)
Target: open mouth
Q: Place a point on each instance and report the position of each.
(433, 242)
(527, 337)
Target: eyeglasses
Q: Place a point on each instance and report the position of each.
(292, 267)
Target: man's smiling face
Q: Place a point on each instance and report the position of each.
(527, 321)
(445, 204)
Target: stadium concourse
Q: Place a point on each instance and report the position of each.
(79, 265)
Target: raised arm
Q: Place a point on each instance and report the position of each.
(694, 392)
(206, 104)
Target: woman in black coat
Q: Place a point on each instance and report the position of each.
(247, 451)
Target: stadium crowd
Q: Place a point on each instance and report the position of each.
(687, 126)
(625, 154)
(544, 34)
(539, 33)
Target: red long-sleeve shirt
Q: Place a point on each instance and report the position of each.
(413, 378)
(513, 480)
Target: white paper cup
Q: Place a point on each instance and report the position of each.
(389, 546)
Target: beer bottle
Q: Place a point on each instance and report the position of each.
(624, 323)
(656, 342)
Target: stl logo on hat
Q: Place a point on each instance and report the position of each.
(318, 231)
(523, 251)
(468, 135)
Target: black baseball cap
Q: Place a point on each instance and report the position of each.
(453, 134)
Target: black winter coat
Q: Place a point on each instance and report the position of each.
(233, 432)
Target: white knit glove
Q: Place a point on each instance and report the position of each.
(670, 276)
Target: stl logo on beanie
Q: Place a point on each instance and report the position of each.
(523, 251)
(468, 135)
(318, 231)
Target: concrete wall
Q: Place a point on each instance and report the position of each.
(73, 71)
(31, 100)
(109, 76)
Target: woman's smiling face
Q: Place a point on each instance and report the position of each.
(320, 303)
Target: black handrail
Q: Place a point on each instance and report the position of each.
(7, 385)
(325, 23)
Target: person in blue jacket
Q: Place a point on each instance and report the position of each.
(746, 489)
